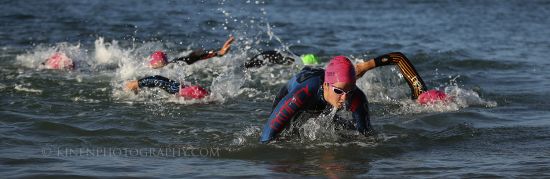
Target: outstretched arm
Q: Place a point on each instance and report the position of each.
(410, 74)
(202, 55)
(164, 83)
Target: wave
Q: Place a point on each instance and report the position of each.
(47, 128)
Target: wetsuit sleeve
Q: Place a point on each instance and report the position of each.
(195, 56)
(408, 71)
(360, 112)
(254, 62)
(285, 110)
(164, 83)
(270, 56)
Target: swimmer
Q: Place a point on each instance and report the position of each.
(275, 57)
(168, 85)
(314, 90)
(419, 90)
(59, 61)
(158, 59)
(310, 91)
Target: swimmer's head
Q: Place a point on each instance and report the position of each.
(432, 96)
(59, 61)
(158, 59)
(340, 69)
(193, 92)
(339, 81)
(309, 59)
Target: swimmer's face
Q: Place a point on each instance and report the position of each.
(335, 94)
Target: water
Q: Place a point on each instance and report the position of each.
(490, 56)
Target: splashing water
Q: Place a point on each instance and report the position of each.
(40, 53)
(320, 127)
(109, 53)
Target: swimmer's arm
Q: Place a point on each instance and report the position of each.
(363, 67)
(279, 118)
(406, 68)
(285, 110)
(261, 59)
(226, 46)
(360, 112)
(200, 54)
(381, 60)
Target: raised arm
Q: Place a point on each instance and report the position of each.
(408, 71)
(202, 54)
(226, 46)
(363, 67)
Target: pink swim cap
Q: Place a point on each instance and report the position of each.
(193, 92)
(340, 69)
(432, 96)
(158, 56)
(59, 61)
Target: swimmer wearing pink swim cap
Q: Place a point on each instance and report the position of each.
(159, 59)
(168, 85)
(315, 91)
(432, 96)
(59, 61)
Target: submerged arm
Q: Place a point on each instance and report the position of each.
(360, 112)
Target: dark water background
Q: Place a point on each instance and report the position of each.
(489, 55)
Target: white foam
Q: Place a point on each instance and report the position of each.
(86, 100)
(387, 85)
(107, 53)
(320, 127)
(241, 136)
(39, 54)
(19, 87)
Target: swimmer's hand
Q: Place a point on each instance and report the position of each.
(226, 46)
(132, 86)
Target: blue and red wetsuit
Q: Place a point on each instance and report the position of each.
(304, 93)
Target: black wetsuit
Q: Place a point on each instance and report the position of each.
(164, 83)
(195, 56)
(268, 57)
